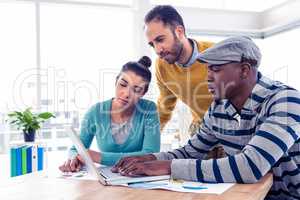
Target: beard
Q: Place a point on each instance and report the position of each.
(174, 54)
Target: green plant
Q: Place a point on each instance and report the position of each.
(28, 121)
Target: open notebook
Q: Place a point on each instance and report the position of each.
(104, 174)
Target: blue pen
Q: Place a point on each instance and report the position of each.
(194, 187)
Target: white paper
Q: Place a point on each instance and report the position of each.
(178, 186)
(218, 188)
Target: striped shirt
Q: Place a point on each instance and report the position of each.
(263, 137)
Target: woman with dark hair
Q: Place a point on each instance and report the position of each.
(124, 125)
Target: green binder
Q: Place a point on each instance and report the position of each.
(24, 160)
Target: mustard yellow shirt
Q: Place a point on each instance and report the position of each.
(185, 83)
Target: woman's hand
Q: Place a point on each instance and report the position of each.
(96, 156)
(71, 165)
(75, 164)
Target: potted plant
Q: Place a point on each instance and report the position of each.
(28, 122)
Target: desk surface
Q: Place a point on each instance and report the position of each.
(38, 188)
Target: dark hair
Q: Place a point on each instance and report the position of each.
(141, 68)
(165, 13)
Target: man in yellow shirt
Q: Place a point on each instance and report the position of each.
(178, 74)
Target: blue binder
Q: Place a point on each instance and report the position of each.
(13, 162)
(40, 158)
(19, 161)
(29, 159)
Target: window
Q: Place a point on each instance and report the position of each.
(253, 5)
(117, 2)
(280, 57)
(82, 48)
(18, 62)
(82, 51)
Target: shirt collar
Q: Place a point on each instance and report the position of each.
(194, 55)
(263, 88)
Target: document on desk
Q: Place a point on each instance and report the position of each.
(184, 186)
(84, 175)
(173, 185)
(112, 178)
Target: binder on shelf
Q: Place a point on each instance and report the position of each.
(40, 151)
(34, 160)
(24, 159)
(13, 162)
(29, 159)
(18, 161)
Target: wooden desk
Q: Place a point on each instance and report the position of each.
(61, 189)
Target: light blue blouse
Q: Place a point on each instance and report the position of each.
(144, 137)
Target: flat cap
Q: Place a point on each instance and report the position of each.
(233, 49)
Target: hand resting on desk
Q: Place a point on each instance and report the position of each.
(142, 165)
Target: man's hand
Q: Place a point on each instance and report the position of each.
(128, 161)
(150, 168)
